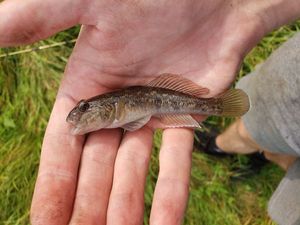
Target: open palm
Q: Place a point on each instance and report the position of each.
(100, 178)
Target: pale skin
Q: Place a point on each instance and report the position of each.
(236, 139)
(125, 43)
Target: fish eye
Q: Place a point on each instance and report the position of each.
(83, 106)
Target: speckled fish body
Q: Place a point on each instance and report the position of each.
(132, 107)
(139, 101)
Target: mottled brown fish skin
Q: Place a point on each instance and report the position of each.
(138, 103)
(153, 100)
(160, 101)
(169, 97)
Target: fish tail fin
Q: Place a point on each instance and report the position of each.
(235, 102)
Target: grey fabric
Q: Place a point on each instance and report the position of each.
(284, 206)
(273, 120)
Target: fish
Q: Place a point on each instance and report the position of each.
(171, 98)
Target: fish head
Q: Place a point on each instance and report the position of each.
(88, 116)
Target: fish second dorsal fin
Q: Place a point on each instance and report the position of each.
(178, 83)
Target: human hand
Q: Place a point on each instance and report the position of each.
(100, 178)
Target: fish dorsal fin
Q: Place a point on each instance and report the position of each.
(176, 121)
(137, 124)
(178, 83)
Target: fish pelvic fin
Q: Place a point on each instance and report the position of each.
(235, 102)
(137, 124)
(178, 83)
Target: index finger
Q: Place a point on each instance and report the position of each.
(56, 182)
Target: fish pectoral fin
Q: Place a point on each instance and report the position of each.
(178, 83)
(120, 110)
(137, 124)
(177, 121)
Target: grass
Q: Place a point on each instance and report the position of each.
(28, 83)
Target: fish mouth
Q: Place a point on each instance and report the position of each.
(76, 131)
(70, 120)
(73, 117)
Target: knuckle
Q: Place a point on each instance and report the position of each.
(24, 35)
(125, 200)
(86, 210)
(57, 174)
(171, 199)
(101, 156)
(50, 213)
(172, 190)
(51, 203)
(173, 149)
(135, 156)
(62, 139)
(171, 184)
(179, 154)
(29, 35)
(170, 208)
(127, 208)
(80, 217)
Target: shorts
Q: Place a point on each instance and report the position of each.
(273, 121)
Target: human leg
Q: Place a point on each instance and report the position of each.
(236, 139)
(273, 123)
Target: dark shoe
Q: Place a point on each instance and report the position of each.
(254, 164)
(206, 142)
(211, 148)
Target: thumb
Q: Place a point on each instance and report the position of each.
(24, 22)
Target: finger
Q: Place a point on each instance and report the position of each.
(57, 178)
(126, 204)
(27, 21)
(172, 188)
(95, 177)
(56, 182)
